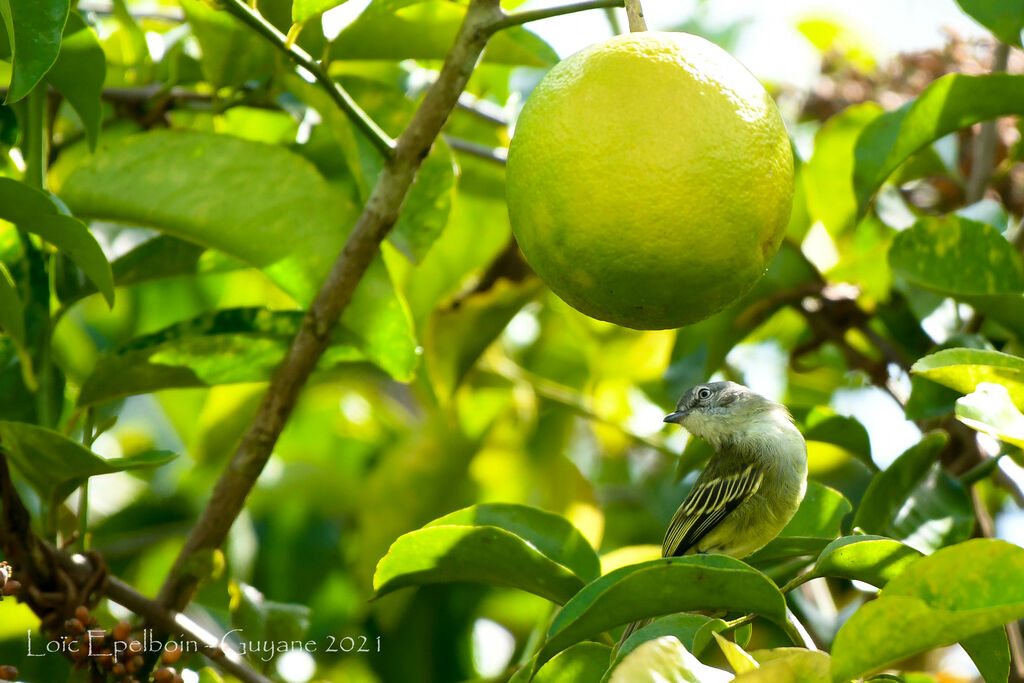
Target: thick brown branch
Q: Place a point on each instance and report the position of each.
(378, 217)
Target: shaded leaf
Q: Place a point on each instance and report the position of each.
(694, 631)
(966, 260)
(79, 72)
(34, 29)
(478, 554)
(659, 587)
(55, 465)
(990, 410)
(840, 430)
(964, 369)
(581, 662)
(871, 559)
(990, 652)
(12, 312)
(222, 347)
(256, 202)
(262, 620)
(916, 502)
(232, 53)
(1005, 18)
(955, 594)
(551, 534)
(404, 29)
(948, 104)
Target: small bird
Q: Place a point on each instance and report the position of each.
(753, 484)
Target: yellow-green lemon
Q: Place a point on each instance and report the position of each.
(650, 180)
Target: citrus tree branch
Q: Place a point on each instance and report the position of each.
(381, 140)
(517, 18)
(635, 15)
(378, 216)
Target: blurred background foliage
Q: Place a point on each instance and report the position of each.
(223, 184)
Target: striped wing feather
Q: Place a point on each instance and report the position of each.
(719, 490)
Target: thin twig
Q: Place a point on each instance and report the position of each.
(377, 219)
(984, 151)
(381, 140)
(517, 18)
(498, 155)
(635, 14)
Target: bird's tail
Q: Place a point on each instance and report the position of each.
(633, 628)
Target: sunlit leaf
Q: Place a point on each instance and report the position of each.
(659, 587)
(871, 559)
(34, 29)
(551, 534)
(1005, 18)
(952, 595)
(304, 10)
(581, 662)
(966, 260)
(792, 665)
(948, 104)
(55, 465)
(738, 658)
(990, 410)
(840, 430)
(232, 53)
(478, 554)
(665, 660)
(964, 369)
(816, 522)
(694, 631)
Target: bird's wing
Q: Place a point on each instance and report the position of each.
(721, 487)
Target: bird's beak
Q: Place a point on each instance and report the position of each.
(677, 416)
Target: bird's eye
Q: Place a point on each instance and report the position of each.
(703, 393)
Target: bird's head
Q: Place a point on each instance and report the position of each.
(720, 411)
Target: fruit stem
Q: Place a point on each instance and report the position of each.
(635, 14)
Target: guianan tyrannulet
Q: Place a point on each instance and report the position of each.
(752, 485)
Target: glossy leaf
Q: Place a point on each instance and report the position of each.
(1005, 18)
(954, 594)
(990, 410)
(34, 29)
(79, 72)
(665, 660)
(34, 211)
(966, 260)
(948, 104)
(55, 465)
(551, 534)
(840, 430)
(694, 631)
(581, 662)
(871, 559)
(658, 587)
(792, 665)
(916, 502)
(232, 53)
(990, 652)
(739, 659)
(964, 369)
(478, 554)
(458, 334)
(407, 29)
(222, 347)
(255, 202)
(304, 10)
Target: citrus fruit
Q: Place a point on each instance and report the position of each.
(650, 180)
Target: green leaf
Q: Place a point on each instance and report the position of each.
(665, 660)
(256, 202)
(262, 620)
(581, 662)
(840, 430)
(947, 105)
(404, 29)
(871, 559)
(659, 587)
(792, 665)
(966, 260)
(991, 654)
(232, 53)
(551, 534)
(55, 465)
(33, 28)
(36, 212)
(12, 312)
(955, 594)
(828, 175)
(989, 409)
(79, 72)
(222, 347)
(478, 554)
(458, 334)
(964, 369)
(1005, 18)
(915, 501)
(694, 631)
(304, 10)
